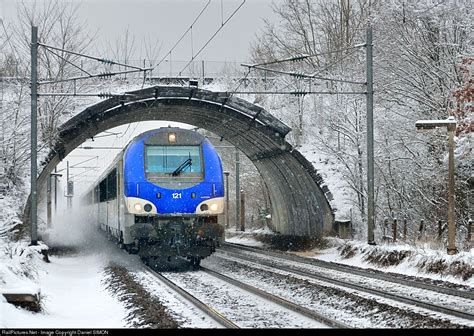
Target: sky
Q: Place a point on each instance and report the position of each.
(167, 20)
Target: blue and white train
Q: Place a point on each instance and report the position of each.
(161, 197)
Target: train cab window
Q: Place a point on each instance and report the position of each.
(173, 160)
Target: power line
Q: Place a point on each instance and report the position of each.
(301, 75)
(105, 135)
(212, 37)
(184, 34)
(72, 177)
(67, 61)
(102, 60)
(99, 147)
(303, 57)
(298, 93)
(75, 166)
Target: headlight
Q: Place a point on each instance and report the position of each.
(212, 206)
(140, 206)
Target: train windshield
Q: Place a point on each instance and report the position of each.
(173, 160)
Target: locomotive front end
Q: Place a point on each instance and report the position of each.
(173, 188)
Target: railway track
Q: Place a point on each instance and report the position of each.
(208, 310)
(264, 274)
(345, 276)
(245, 288)
(278, 300)
(465, 292)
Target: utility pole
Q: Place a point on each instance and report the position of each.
(370, 139)
(203, 73)
(34, 144)
(450, 125)
(451, 214)
(48, 201)
(237, 187)
(68, 195)
(242, 210)
(55, 175)
(226, 173)
(56, 190)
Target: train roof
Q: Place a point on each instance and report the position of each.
(186, 136)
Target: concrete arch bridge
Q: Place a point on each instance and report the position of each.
(300, 205)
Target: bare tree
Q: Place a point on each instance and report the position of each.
(58, 26)
(151, 48)
(123, 49)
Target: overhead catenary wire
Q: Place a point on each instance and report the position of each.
(240, 83)
(298, 93)
(72, 177)
(102, 60)
(301, 75)
(212, 37)
(314, 75)
(182, 36)
(334, 62)
(75, 165)
(74, 65)
(101, 75)
(105, 135)
(304, 56)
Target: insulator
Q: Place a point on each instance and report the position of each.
(105, 75)
(105, 95)
(106, 61)
(298, 93)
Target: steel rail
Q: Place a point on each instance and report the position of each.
(377, 292)
(357, 271)
(278, 300)
(211, 312)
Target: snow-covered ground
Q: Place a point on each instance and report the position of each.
(74, 291)
(415, 263)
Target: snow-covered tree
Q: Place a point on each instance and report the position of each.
(419, 73)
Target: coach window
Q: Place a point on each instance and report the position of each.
(103, 190)
(112, 185)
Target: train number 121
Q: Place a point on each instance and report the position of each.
(176, 195)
